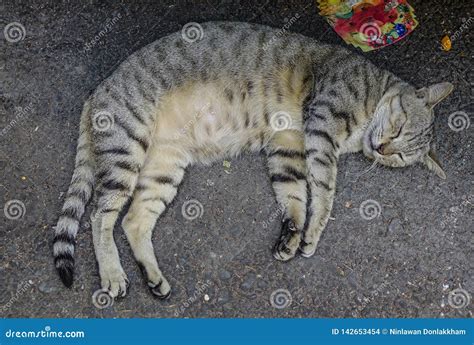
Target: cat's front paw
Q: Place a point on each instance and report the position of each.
(307, 249)
(288, 243)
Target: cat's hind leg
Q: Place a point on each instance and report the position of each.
(287, 167)
(103, 219)
(156, 188)
(119, 151)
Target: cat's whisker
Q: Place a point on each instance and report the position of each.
(369, 169)
(366, 171)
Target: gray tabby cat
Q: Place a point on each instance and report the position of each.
(239, 87)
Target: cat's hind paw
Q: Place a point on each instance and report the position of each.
(157, 283)
(162, 290)
(288, 243)
(115, 282)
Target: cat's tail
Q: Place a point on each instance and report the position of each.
(77, 197)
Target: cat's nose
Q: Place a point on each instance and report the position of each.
(380, 149)
(377, 147)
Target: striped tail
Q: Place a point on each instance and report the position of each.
(77, 197)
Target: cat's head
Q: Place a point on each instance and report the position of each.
(401, 132)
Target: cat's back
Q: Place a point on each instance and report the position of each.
(204, 50)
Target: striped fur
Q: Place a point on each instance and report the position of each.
(240, 88)
(77, 197)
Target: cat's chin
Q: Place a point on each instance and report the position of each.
(369, 155)
(366, 149)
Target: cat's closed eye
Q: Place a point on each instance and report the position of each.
(398, 133)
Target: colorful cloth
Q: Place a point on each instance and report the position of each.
(369, 24)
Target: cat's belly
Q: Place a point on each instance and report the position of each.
(217, 119)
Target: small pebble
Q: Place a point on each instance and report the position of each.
(224, 297)
(249, 281)
(395, 225)
(224, 275)
(227, 166)
(206, 297)
(262, 283)
(234, 231)
(47, 287)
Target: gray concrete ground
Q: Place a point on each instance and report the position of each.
(404, 263)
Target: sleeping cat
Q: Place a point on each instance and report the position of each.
(236, 87)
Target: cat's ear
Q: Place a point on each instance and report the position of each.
(432, 163)
(435, 93)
